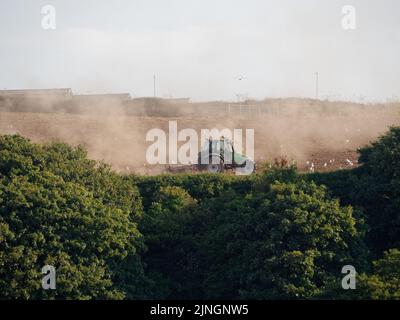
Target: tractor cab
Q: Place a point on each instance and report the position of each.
(219, 154)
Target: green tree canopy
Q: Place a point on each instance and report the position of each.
(282, 242)
(58, 208)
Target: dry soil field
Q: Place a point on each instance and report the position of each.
(315, 143)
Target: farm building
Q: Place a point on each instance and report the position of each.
(64, 92)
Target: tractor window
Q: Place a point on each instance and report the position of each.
(228, 149)
(215, 146)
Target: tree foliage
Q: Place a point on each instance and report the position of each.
(275, 235)
(283, 242)
(374, 187)
(58, 208)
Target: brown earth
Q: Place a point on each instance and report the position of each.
(314, 142)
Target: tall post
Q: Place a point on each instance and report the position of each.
(154, 85)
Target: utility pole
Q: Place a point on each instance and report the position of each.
(154, 85)
(316, 85)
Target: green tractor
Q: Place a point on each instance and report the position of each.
(217, 156)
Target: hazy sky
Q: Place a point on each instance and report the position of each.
(199, 48)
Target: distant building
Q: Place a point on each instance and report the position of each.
(63, 100)
(166, 101)
(109, 97)
(64, 92)
(100, 103)
(178, 100)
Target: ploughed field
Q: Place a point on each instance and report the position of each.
(316, 143)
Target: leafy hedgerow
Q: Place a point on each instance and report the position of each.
(274, 235)
(58, 208)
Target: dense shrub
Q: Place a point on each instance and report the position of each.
(284, 242)
(170, 258)
(198, 186)
(280, 237)
(382, 283)
(374, 187)
(380, 189)
(274, 235)
(58, 208)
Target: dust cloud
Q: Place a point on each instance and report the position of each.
(318, 135)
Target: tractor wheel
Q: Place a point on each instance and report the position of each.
(215, 166)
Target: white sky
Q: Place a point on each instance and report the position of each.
(198, 48)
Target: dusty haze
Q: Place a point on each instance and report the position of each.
(318, 135)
